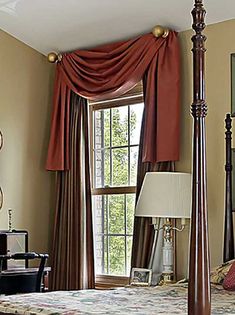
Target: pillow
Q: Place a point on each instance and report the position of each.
(229, 280)
(219, 273)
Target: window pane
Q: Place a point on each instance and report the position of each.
(116, 214)
(98, 205)
(106, 171)
(102, 128)
(102, 168)
(105, 207)
(133, 164)
(109, 211)
(120, 166)
(99, 253)
(117, 255)
(136, 113)
(98, 129)
(119, 126)
(129, 251)
(98, 168)
(105, 269)
(106, 127)
(130, 207)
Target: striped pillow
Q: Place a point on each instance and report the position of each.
(219, 273)
(229, 280)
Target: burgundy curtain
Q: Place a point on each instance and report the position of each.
(111, 70)
(73, 257)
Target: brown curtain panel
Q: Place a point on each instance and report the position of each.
(143, 229)
(73, 257)
(111, 70)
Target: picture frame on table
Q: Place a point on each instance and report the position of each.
(141, 277)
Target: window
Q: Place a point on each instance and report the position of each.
(114, 145)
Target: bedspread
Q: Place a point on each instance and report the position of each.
(141, 301)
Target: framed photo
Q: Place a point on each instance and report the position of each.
(141, 276)
(233, 85)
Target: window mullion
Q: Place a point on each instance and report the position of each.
(111, 181)
(107, 231)
(93, 151)
(125, 229)
(111, 151)
(117, 147)
(103, 238)
(102, 151)
(102, 184)
(129, 162)
(117, 234)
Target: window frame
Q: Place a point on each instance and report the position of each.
(134, 96)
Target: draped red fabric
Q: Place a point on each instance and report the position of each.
(110, 71)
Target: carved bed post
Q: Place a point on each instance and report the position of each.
(228, 226)
(199, 267)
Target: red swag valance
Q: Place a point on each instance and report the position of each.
(110, 71)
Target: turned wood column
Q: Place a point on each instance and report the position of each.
(228, 226)
(199, 296)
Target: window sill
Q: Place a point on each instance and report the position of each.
(104, 282)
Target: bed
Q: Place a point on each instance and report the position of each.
(193, 298)
(229, 207)
(142, 301)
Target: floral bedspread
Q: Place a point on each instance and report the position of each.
(140, 301)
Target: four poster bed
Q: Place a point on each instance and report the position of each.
(228, 226)
(166, 299)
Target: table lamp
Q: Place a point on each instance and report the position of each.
(165, 195)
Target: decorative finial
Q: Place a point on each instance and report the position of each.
(228, 122)
(10, 220)
(53, 57)
(160, 31)
(198, 14)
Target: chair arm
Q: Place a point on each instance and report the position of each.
(19, 256)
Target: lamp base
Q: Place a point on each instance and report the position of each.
(167, 253)
(167, 278)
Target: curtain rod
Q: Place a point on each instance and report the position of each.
(157, 31)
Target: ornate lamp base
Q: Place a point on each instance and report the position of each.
(167, 276)
(167, 279)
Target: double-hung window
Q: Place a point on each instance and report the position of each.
(114, 152)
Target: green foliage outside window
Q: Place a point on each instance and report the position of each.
(119, 153)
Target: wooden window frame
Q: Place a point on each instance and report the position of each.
(135, 96)
(104, 282)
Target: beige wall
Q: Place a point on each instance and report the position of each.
(220, 45)
(25, 102)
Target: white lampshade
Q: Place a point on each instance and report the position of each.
(165, 195)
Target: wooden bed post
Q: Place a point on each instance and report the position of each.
(228, 226)
(199, 296)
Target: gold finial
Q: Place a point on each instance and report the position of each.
(53, 57)
(159, 31)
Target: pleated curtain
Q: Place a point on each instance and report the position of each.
(73, 256)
